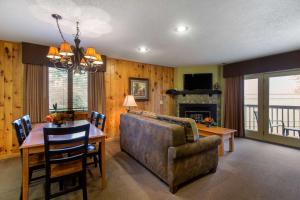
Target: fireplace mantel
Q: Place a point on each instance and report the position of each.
(188, 92)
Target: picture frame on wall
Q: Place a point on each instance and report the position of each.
(139, 88)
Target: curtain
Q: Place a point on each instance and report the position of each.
(36, 98)
(234, 104)
(96, 92)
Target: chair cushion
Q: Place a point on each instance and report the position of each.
(58, 170)
(36, 159)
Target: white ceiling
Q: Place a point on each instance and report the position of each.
(220, 31)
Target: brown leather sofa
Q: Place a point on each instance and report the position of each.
(162, 147)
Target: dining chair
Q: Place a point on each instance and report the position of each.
(92, 148)
(36, 163)
(94, 118)
(71, 114)
(27, 124)
(65, 155)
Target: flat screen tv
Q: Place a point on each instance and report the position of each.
(197, 81)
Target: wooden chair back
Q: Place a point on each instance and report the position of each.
(94, 118)
(98, 119)
(27, 124)
(65, 145)
(21, 136)
(72, 113)
(101, 121)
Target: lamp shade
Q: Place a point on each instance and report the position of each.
(53, 53)
(65, 49)
(129, 101)
(98, 60)
(90, 53)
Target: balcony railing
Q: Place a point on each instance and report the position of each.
(283, 120)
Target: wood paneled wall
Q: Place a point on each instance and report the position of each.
(11, 95)
(117, 81)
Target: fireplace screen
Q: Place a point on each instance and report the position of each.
(198, 116)
(198, 112)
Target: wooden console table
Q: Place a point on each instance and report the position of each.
(224, 133)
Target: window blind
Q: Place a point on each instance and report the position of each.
(80, 92)
(68, 90)
(58, 89)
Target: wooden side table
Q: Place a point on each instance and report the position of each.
(224, 133)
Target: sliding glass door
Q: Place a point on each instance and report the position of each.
(272, 107)
(251, 111)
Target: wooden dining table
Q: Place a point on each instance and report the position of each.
(34, 144)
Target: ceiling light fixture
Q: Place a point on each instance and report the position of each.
(143, 49)
(181, 28)
(73, 58)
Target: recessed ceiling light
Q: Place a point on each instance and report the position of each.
(181, 28)
(143, 49)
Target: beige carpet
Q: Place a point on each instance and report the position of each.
(255, 170)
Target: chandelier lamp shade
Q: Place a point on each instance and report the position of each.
(65, 49)
(53, 53)
(90, 53)
(74, 58)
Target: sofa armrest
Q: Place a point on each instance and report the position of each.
(191, 149)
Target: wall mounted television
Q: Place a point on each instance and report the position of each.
(197, 81)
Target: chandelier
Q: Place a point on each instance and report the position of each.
(73, 58)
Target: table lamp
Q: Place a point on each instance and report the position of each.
(129, 102)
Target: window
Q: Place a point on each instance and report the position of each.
(284, 106)
(80, 92)
(68, 90)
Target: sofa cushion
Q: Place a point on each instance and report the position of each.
(191, 131)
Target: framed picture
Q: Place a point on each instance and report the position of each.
(139, 88)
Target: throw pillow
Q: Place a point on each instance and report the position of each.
(191, 131)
